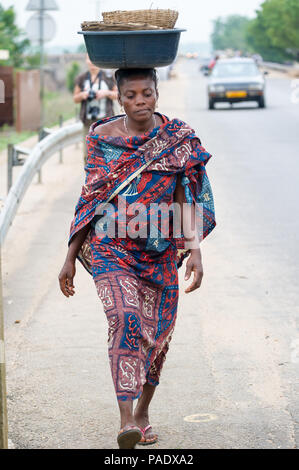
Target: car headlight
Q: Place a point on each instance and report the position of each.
(256, 86)
(216, 88)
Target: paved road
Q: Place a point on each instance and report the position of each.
(230, 376)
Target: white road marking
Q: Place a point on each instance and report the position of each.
(200, 418)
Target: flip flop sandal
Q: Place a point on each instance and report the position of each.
(128, 439)
(144, 441)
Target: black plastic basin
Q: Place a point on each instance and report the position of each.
(132, 49)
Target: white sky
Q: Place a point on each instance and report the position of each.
(194, 15)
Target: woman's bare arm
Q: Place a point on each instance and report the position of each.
(194, 263)
(68, 270)
(77, 242)
(79, 95)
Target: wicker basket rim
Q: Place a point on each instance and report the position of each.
(158, 10)
(162, 17)
(100, 25)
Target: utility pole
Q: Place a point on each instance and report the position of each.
(38, 29)
(42, 60)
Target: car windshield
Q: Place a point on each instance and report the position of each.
(237, 69)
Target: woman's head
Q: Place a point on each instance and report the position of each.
(123, 75)
(137, 92)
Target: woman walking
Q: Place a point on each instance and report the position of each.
(138, 162)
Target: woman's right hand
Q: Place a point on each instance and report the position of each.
(66, 277)
(84, 95)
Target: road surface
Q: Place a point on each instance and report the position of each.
(229, 380)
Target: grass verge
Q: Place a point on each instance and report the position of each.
(57, 103)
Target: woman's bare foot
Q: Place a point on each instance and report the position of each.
(129, 436)
(141, 414)
(142, 420)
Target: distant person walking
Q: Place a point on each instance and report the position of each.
(212, 63)
(95, 90)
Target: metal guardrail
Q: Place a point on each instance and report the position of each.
(13, 159)
(279, 67)
(14, 152)
(51, 144)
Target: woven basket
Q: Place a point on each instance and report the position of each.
(165, 19)
(101, 26)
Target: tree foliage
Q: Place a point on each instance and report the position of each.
(32, 60)
(281, 22)
(230, 33)
(259, 41)
(12, 37)
(273, 33)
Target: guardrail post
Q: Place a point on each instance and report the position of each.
(3, 399)
(60, 125)
(39, 176)
(10, 152)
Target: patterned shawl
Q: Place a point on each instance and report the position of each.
(171, 148)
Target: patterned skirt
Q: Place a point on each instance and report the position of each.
(140, 302)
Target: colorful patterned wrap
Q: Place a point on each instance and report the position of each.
(137, 278)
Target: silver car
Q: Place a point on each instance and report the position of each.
(235, 80)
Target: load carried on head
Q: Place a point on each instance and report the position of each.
(132, 39)
(133, 20)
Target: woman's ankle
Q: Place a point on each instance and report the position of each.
(141, 414)
(126, 414)
(126, 423)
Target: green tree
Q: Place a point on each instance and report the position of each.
(230, 33)
(218, 33)
(281, 19)
(72, 73)
(259, 41)
(12, 38)
(32, 60)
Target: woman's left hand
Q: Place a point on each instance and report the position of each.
(194, 264)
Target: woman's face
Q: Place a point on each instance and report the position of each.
(138, 96)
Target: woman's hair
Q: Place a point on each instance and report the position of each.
(125, 74)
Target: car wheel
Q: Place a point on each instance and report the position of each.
(261, 102)
(211, 104)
